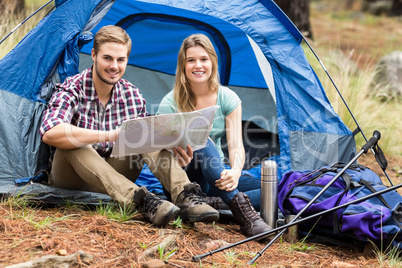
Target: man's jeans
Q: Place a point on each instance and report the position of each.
(206, 168)
(83, 169)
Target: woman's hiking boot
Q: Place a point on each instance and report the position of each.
(193, 207)
(160, 212)
(216, 202)
(250, 222)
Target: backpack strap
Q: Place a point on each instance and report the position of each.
(371, 188)
(356, 166)
(314, 174)
(396, 214)
(349, 182)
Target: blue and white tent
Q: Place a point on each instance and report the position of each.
(260, 56)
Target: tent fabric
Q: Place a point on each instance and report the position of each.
(29, 64)
(20, 142)
(260, 55)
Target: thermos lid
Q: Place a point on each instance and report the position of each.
(269, 168)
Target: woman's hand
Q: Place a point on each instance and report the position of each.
(229, 180)
(184, 158)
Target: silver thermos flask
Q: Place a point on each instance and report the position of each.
(269, 192)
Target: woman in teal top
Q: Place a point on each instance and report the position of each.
(227, 101)
(197, 87)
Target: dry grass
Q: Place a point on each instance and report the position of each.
(350, 43)
(10, 20)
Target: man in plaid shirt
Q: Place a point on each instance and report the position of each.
(82, 121)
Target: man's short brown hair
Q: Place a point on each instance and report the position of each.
(112, 33)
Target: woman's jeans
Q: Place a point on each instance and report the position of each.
(207, 166)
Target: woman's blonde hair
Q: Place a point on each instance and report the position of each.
(182, 93)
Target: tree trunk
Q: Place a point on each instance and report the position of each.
(350, 4)
(396, 9)
(298, 12)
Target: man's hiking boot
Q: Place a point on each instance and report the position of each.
(160, 212)
(244, 213)
(216, 202)
(193, 207)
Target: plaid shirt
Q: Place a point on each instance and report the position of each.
(75, 102)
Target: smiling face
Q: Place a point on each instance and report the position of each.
(198, 66)
(110, 63)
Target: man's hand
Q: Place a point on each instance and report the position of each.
(228, 181)
(113, 134)
(184, 158)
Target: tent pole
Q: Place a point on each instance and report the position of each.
(375, 152)
(19, 25)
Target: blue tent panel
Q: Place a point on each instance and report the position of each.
(29, 64)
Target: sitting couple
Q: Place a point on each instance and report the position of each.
(83, 118)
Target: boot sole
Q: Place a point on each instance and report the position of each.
(205, 217)
(257, 233)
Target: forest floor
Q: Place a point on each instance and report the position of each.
(28, 233)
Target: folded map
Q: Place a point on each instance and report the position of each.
(165, 131)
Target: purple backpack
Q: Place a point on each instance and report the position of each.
(375, 219)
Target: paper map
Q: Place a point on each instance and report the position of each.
(165, 131)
